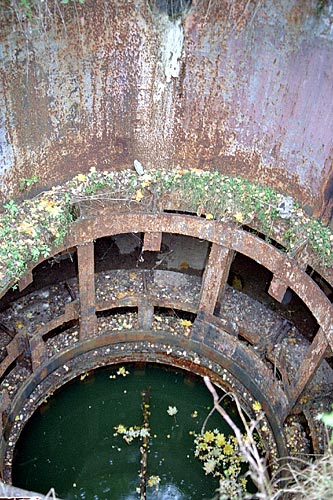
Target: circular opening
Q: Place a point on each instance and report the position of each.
(87, 440)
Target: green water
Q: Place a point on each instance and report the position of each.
(69, 443)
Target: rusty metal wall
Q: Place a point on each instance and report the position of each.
(89, 84)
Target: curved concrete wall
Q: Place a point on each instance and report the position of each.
(245, 87)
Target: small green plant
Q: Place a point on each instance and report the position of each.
(26, 7)
(29, 8)
(94, 187)
(11, 207)
(28, 182)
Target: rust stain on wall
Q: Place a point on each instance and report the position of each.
(253, 96)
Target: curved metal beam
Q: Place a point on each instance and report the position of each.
(231, 237)
(87, 230)
(239, 367)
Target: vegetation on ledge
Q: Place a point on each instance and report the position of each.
(29, 230)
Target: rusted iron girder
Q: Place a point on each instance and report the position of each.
(215, 277)
(283, 268)
(277, 289)
(145, 313)
(25, 281)
(145, 304)
(38, 351)
(14, 349)
(312, 360)
(71, 313)
(152, 242)
(86, 265)
(4, 407)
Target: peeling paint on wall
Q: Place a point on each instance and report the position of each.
(172, 47)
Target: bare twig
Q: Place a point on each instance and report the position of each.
(8, 491)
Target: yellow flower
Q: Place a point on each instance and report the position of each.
(122, 371)
(153, 481)
(209, 436)
(45, 203)
(81, 177)
(202, 446)
(209, 216)
(228, 449)
(233, 440)
(243, 482)
(121, 429)
(53, 209)
(220, 440)
(257, 406)
(185, 322)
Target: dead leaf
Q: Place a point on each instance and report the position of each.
(239, 217)
(26, 227)
(185, 322)
(139, 195)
